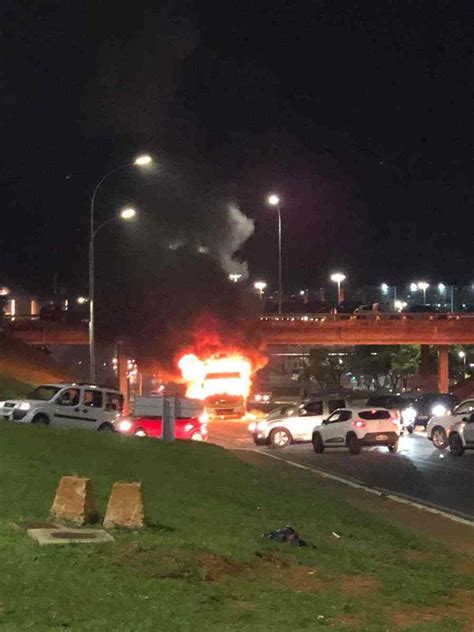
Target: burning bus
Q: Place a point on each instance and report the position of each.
(222, 381)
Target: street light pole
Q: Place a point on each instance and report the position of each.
(274, 200)
(279, 259)
(139, 161)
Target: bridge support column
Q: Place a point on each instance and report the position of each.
(443, 369)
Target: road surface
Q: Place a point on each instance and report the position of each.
(418, 470)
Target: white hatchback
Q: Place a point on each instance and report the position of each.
(352, 429)
(67, 406)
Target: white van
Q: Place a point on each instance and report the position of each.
(68, 405)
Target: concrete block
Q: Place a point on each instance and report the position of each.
(74, 500)
(125, 508)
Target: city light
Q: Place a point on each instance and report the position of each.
(441, 288)
(273, 199)
(143, 160)
(4, 291)
(384, 287)
(461, 354)
(128, 213)
(413, 287)
(82, 299)
(338, 277)
(260, 287)
(423, 286)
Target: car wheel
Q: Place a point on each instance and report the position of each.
(353, 444)
(411, 428)
(139, 432)
(393, 447)
(318, 445)
(280, 438)
(40, 420)
(439, 437)
(106, 428)
(455, 444)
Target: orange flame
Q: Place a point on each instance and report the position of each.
(216, 375)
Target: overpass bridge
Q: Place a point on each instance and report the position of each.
(441, 330)
(38, 332)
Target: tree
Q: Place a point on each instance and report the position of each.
(371, 364)
(405, 362)
(326, 366)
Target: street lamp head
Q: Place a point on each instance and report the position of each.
(423, 285)
(461, 354)
(235, 278)
(338, 277)
(128, 213)
(260, 285)
(82, 299)
(273, 199)
(142, 160)
(441, 287)
(413, 287)
(384, 287)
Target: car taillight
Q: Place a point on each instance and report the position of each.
(358, 423)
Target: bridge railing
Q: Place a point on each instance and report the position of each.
(375, 316)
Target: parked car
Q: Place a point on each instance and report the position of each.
(185, 427)
(440, 428)
(396, 404)
(294, 423)
(421, 309)
(353, 429)
(68, 405)
(427, 406)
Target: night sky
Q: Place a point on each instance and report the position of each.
(360, 114)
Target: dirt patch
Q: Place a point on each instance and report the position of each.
(466, 567)
(215, 568)
(349, 622)
(463, 608)
(359, 584)
(412, 555)
(408, 615)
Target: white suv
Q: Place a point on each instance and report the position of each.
(289, 424)
(440, 429)
(67, 406)
(353, 429)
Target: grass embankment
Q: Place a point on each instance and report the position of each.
(22, 367)
(202, 564)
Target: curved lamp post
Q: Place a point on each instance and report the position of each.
(126, 214)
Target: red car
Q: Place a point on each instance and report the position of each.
(185, 428)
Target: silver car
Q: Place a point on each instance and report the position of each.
(439, 429)
(295, 423)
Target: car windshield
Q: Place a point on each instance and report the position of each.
(44, 393)
(283, 411)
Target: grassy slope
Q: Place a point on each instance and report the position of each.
(203, 564)
(22, 366)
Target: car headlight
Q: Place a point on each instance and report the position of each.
(2, 404)
(439, 410)
(409, 415)
(24, 406)
(258, 398)
(252, 426)
(125, 425)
